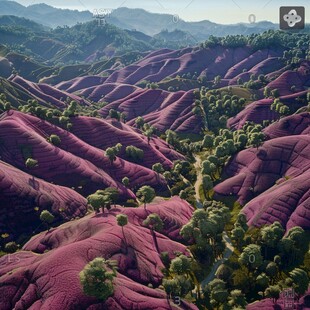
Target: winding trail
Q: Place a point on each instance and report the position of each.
(198, 181)
(226, 255)
(229, 247)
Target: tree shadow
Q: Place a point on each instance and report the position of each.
(34, 184)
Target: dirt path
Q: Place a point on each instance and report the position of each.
(199, 180)
(227, 253)
(229, 247)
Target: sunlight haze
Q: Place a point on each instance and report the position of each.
(223, 11)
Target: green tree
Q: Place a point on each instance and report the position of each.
(134, 153)
(97, 278)
(208, 141)
(11, 247)
(242, 221)
(207, 185)
(118, 147)
(69, 126)
(96, 201)
(218, 293)
(266, 92)
(158, 168)
(31, 163)
(272, 269)
(301, 281)
(165, 258)
(153, 86)
(122, 221)
(112, 194)
(148, 133)
(55, 140)
(154, 223)
(73, 106)
(237, 299)
(204, 228)
(167, 175)
(139, 122)
(180, 265)
(114, 114)
(47, 218)
(63, 120)
(7, 106)
(111, 154)
(297, 235)
(271, 235)
(230, 147)
(217, 80)
(256, 138)
(181, 269)
(288, 251)
(146, 194)
(251, 256)
(172, 288)
(208, 167)
(224, 272)
(2, 97)
(213, 159)
(275, 93)
(186, 284)
(125, 181)
(123, 117)
(273, 292)
(262, 280)
(219, 151)
(171, 138)
(237, 235)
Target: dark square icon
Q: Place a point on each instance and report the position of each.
(292, 17)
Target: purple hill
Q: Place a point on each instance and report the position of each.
(46, 93)
(75, 163)
(272, 182)
(258, 111)
(47, 284)
(23, 197)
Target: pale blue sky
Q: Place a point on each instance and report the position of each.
(220, 11)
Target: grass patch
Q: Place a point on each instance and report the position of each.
(234, 213)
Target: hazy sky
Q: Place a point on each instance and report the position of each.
(220, 11)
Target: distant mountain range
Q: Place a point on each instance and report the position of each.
(87, 42)
(44, 14)
(131, 19)
(153, 23)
